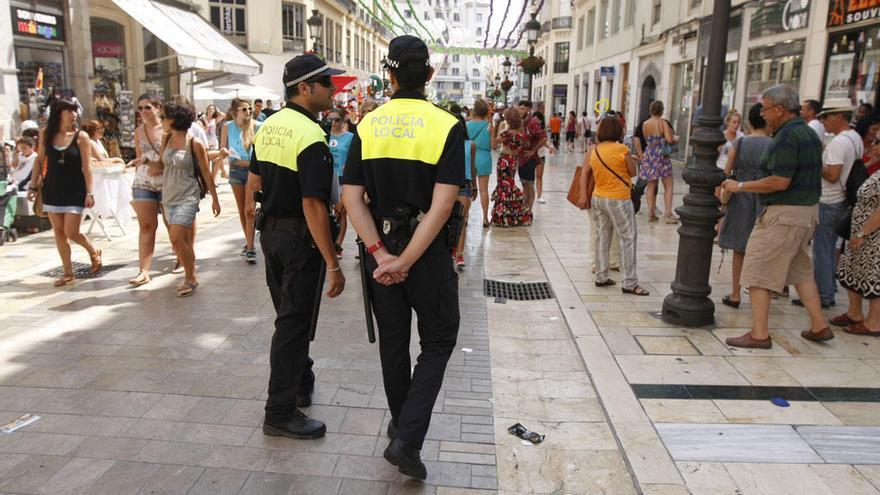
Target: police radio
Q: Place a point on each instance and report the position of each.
(259, 217)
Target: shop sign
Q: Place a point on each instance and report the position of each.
(37, 24)
(106, 49)
(606, 71)
(843, 12)
(789, 15)
(226, 21)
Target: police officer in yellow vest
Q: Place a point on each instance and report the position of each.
(293, 168)
(408, 156)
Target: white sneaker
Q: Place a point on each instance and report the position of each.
(542, 200)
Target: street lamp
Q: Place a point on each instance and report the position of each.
(689, 304)
(533, 30)
(316, 25)
(506, 65)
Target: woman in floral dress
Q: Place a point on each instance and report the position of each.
(509, 208)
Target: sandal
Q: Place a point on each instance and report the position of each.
(843, 320)
(96, 262)
(636, 291)
(653, 218)
(606, 283)
(860, 329)
(66, 279)
(727, 301)
(141, 279)
(670, 219)
(178, 268)
(187, 289)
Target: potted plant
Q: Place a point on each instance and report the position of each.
(531, 65)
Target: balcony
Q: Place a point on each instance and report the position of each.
(560, 67)
(545, 27)
(561, 22)
(349, 5)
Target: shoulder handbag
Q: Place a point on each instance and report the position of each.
(666, 148)
(197, 171)
(574, 191)
(635, 191)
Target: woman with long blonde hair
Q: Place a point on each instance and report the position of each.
(238, 136)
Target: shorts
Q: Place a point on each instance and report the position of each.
(238, 175)
(76, 210)
(182, 214)
(779, 253)
(569, 137)
(466, 190)
(140, 194)
(527, 170)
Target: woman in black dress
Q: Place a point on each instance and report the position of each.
(67, 185)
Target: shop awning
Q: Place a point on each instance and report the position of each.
(197, 43)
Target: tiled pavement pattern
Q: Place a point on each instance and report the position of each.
(142, 392)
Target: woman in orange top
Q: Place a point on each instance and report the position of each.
(613, 166)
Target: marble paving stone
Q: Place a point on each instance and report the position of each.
(762, 371)
(813, 372)
(219, 482)
(620, 341)
(845, 479)
(31, 473)
(649, 459)
(855, 413)
(116, 448)
(844, 444)
(574, 410)
(169, 479)
(676, 346)
(871, 473)
(792, 479)
(708, 478)
(690, 370)
(765, 412)
(268, 484)
(665, 490)
(682, 411)
(735, 443)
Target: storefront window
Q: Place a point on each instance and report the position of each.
(851, 70)
(680, 106)
(156, 73)
(771, 65)
(108, 50)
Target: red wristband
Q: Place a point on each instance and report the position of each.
(375, 247)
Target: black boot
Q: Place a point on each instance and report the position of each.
(299, 426)
(406, 458)
(392, 430)
(304, 400)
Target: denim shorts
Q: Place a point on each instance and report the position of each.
(140, 194)
(76, 210)
(182, 214)
(238, 175)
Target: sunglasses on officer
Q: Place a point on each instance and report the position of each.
(322, 80)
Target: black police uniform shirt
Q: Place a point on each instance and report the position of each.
(293, 161)
(401, 149)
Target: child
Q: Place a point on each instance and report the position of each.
(21, 175)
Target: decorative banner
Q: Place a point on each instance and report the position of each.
(843, 12)
(461, 50)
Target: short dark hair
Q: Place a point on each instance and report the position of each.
(864, 124)
(181, 114)
(412, 73)
(31, 133)
(341, 111)
(29, 141)
(610, 129)
(756, 120)
(814, 105)
(525, 103)
(258, 100)
(152, 98)
(867, 106)
(455, 108)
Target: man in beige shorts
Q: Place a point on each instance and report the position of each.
(778, 252)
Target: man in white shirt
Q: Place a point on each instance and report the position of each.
(810, 110)
(837, 161)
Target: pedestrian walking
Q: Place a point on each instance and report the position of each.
(585, 125)
(408, 157)
(613, 212)
(237, 138)
(509, 208)
(541, 157)
(778, 252)
(743, 209)
(67, 186)
(837, 162)
(292, 168)
(466, 194)
(570, 132)
(186, 178)
(340, 142)
(656, 165)
(536, 136)
(555, 129)
(481, 132)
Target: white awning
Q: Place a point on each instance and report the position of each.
(197, 43)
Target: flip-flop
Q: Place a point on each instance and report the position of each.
(636, 291)
(178, 268)
(187, 289)
(141, 279)
(606, 283)
(860, 329)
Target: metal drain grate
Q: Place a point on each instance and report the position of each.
(82, 270)
(517, 291)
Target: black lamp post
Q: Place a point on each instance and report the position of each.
(506, 67)
(316, 26)
(533, 30)
(689, 304)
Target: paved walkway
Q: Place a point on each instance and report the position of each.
(140, 391)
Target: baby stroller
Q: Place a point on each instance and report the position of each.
(8, 204)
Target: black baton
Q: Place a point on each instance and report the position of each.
(365, 289)
(316, 308)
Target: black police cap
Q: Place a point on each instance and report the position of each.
(304, 67)
(406, 50)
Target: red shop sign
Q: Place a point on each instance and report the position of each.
(106, 49)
